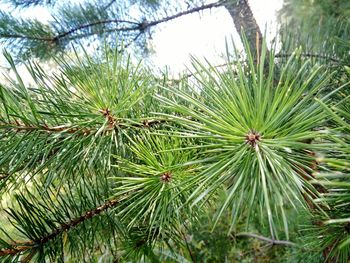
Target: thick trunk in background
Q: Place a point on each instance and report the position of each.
(245, 22)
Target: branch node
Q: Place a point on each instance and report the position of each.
(252, 138)
(166, 177)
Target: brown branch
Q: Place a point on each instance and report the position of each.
(266, 239)
(141, 26)
(286, 55)
(100, 22)
(112, 123)
(310, 55)
(187, 12)
(137, 26)
(3, 176)
(188, 247)
(20, 247)
(56, 38)
(22, 127)
(14, 251)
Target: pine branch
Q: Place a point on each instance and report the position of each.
(266, 239)
(310, 55)
(18, 127)
(19, 247)
(209, 114)
(141, 26)
(101, 22)
(137, 26)
(190, 11)
(284, 55)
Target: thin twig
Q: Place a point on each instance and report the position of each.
(100, 22)
(306, 55)
(19, 127)
(266, 239)
(131, 41)
(310, 55)
(187, 12)
(188, 247)
(109, 4)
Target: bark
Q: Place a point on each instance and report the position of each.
(245, 23)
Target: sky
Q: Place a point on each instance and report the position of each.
(204, 36)
(200, 35)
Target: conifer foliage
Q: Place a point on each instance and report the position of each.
(103, 160)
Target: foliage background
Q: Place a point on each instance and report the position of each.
(117, 153)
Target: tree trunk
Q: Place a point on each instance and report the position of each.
(245, 22)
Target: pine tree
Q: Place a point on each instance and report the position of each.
(105, 161)
(322, 29)
(94, 21)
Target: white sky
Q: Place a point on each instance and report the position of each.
(204, 35)
(198, 35)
